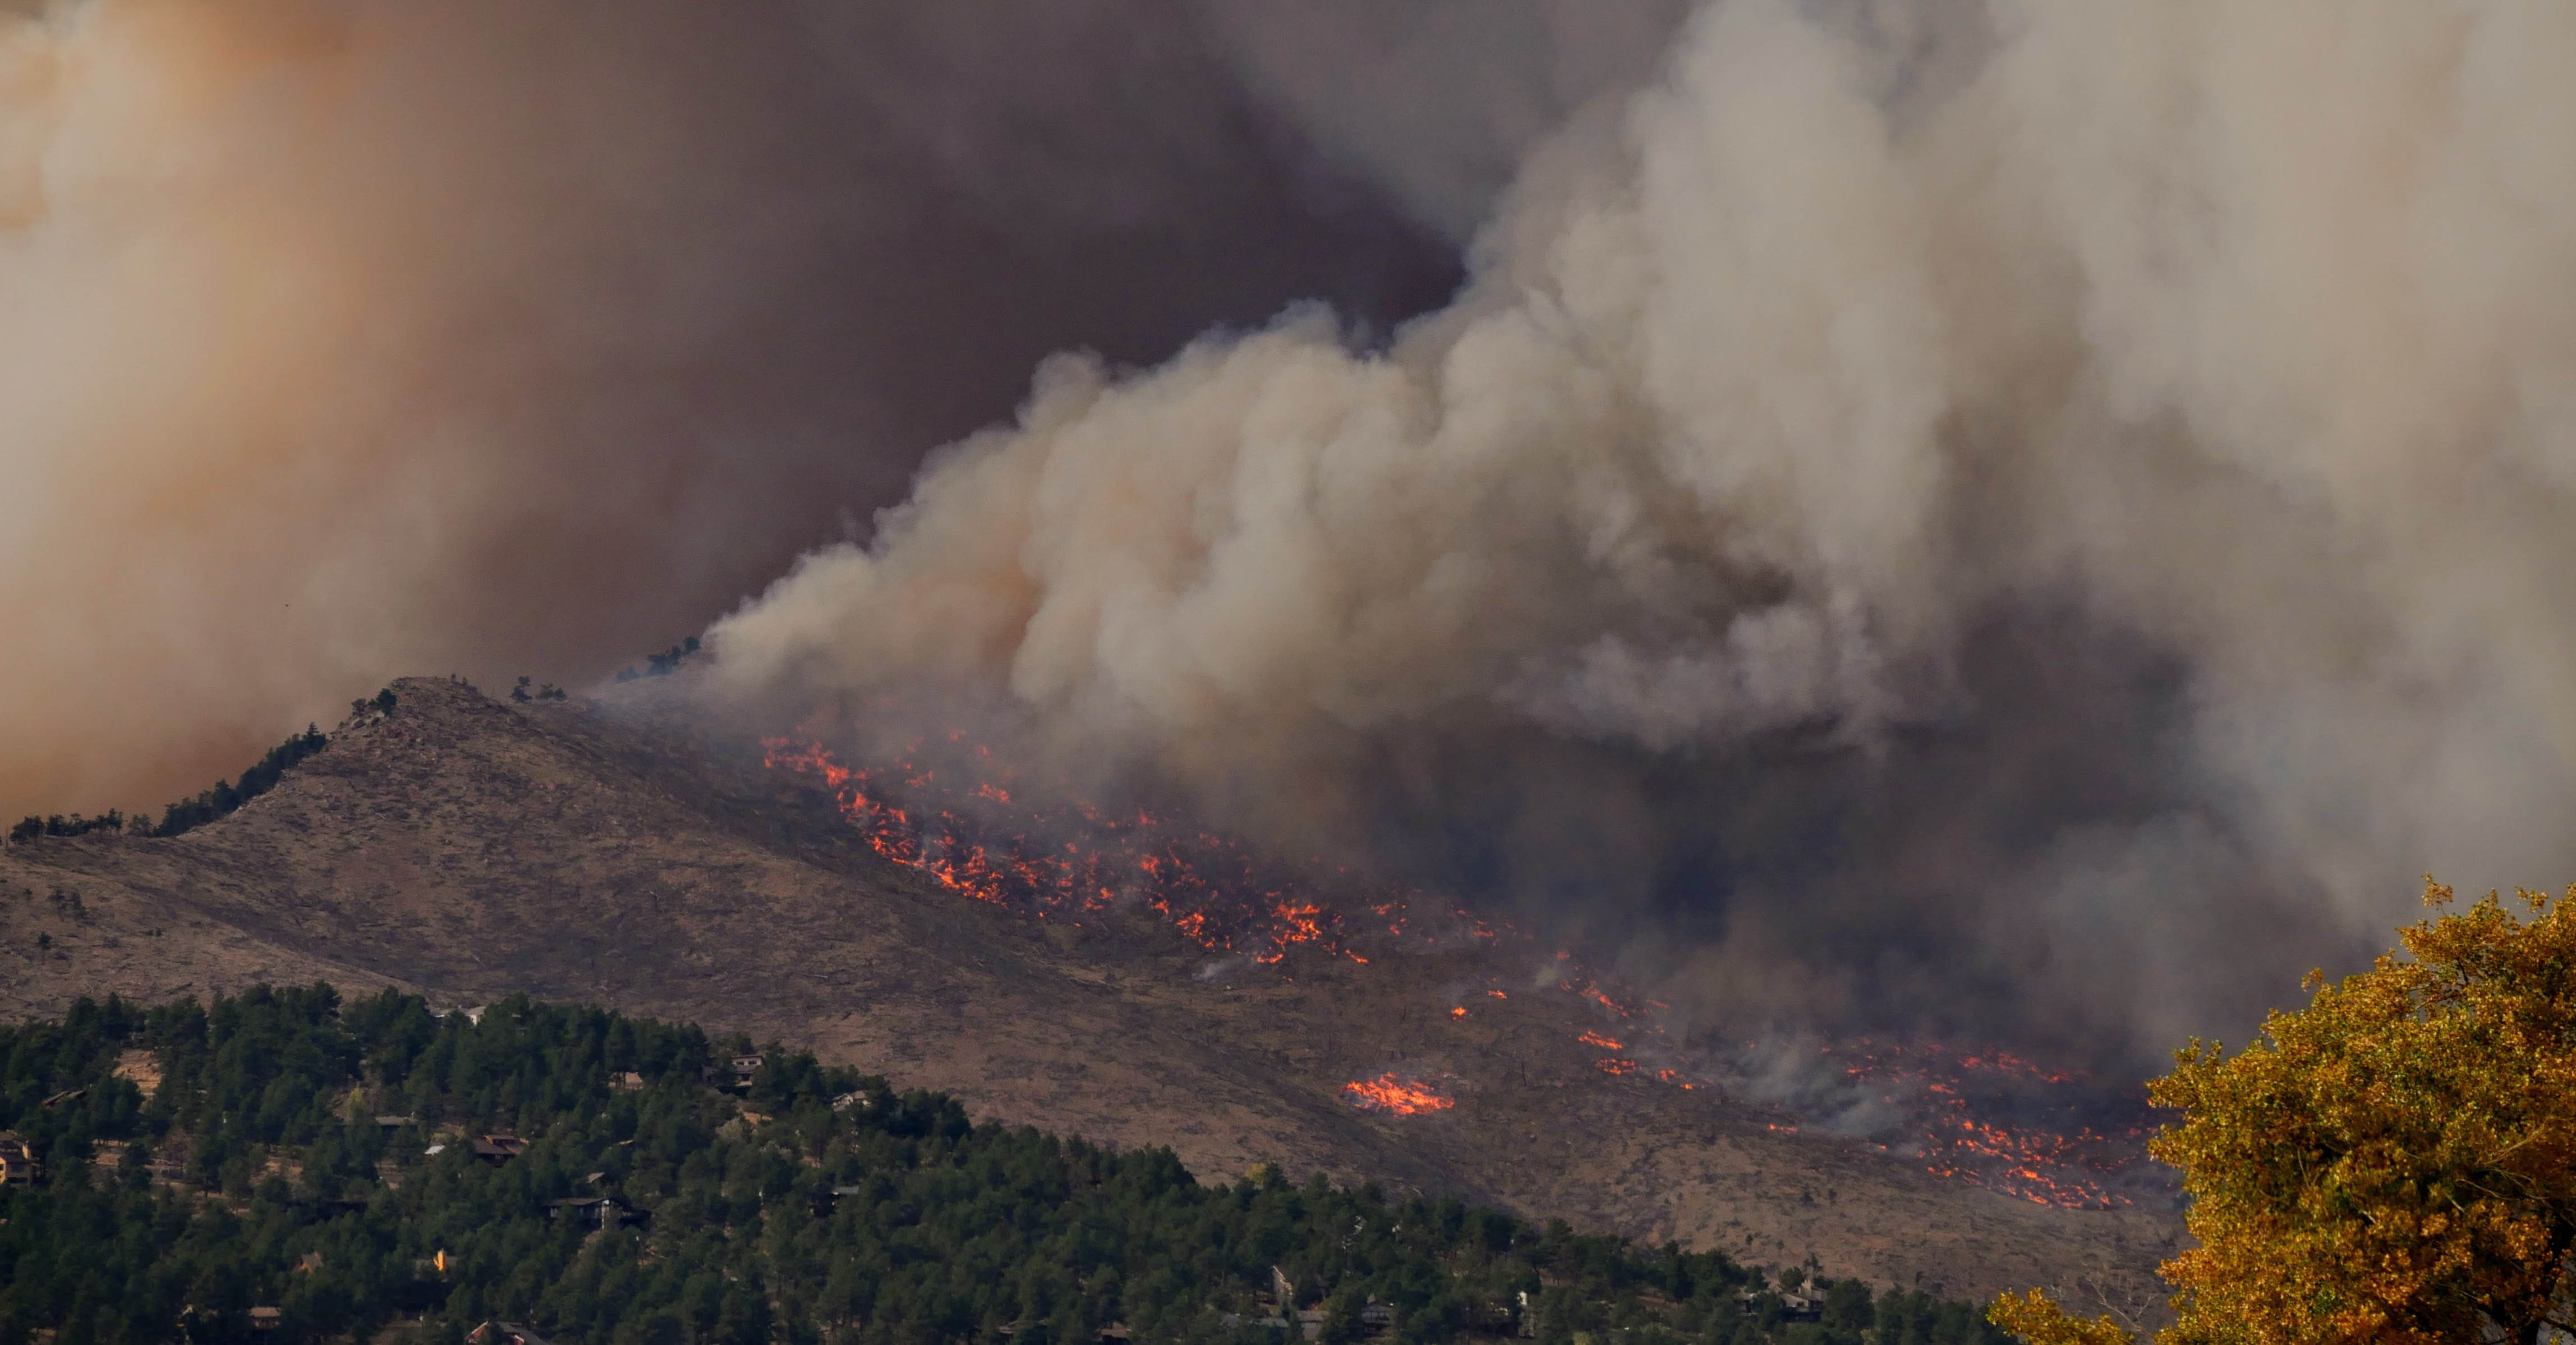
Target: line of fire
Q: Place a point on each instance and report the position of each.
(970, 823)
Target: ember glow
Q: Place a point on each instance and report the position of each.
(1396, 1095)
(951, 811)
(948, 812)
(1993, 1119)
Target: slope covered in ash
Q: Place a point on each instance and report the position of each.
(467, 849)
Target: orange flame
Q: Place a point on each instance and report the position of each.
(974, 828)
(1944, 1087)
(1396, 1094)
(974, 838)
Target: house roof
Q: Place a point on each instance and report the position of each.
(504, 1333)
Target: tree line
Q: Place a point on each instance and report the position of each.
(319, 1157)
(222, 800)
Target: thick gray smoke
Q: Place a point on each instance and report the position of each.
(348, 339)
(2048, 510)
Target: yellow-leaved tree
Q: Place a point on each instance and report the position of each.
(2394, 1163)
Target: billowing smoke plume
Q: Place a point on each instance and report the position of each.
(349, 339)
(2055, 511)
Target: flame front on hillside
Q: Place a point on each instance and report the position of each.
(1993, 1119)
(958, 825)
(954, 813)
(1396, 1094)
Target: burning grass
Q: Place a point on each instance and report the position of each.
(969, 827)
(1396, 1095)
(952, 812)
(1990, 1118)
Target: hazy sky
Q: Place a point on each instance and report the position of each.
(347, 339)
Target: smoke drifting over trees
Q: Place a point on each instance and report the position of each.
(2041, 514)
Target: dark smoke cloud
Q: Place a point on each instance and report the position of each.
(342, 339)
(2029, 519)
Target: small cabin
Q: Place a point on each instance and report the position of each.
(18, 1165)
(265, 1319)
(1376, 1319)
(735, 1073)
(1794, 1306)
(499, 1148)
(626, 1081)
(594, 1212)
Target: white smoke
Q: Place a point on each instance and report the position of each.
(2225, 351)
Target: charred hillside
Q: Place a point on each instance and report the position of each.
(616, 852)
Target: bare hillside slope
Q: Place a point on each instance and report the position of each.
(467, 849)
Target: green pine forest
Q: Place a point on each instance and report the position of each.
(812, 1205)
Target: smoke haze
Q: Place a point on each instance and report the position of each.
(2027, 519)
(349, 339)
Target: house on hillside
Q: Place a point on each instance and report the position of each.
(1794, 1306)
(627, 1081)
(735, 1073)
(265, 1319)
(18, 1165)
(593, 1212)
(499, 1148)
(504, 1333)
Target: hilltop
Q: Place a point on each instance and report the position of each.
(615, 851)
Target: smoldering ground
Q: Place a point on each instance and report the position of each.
(343, 340)
(2028, 520)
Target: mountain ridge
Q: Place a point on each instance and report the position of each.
(617, 850)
